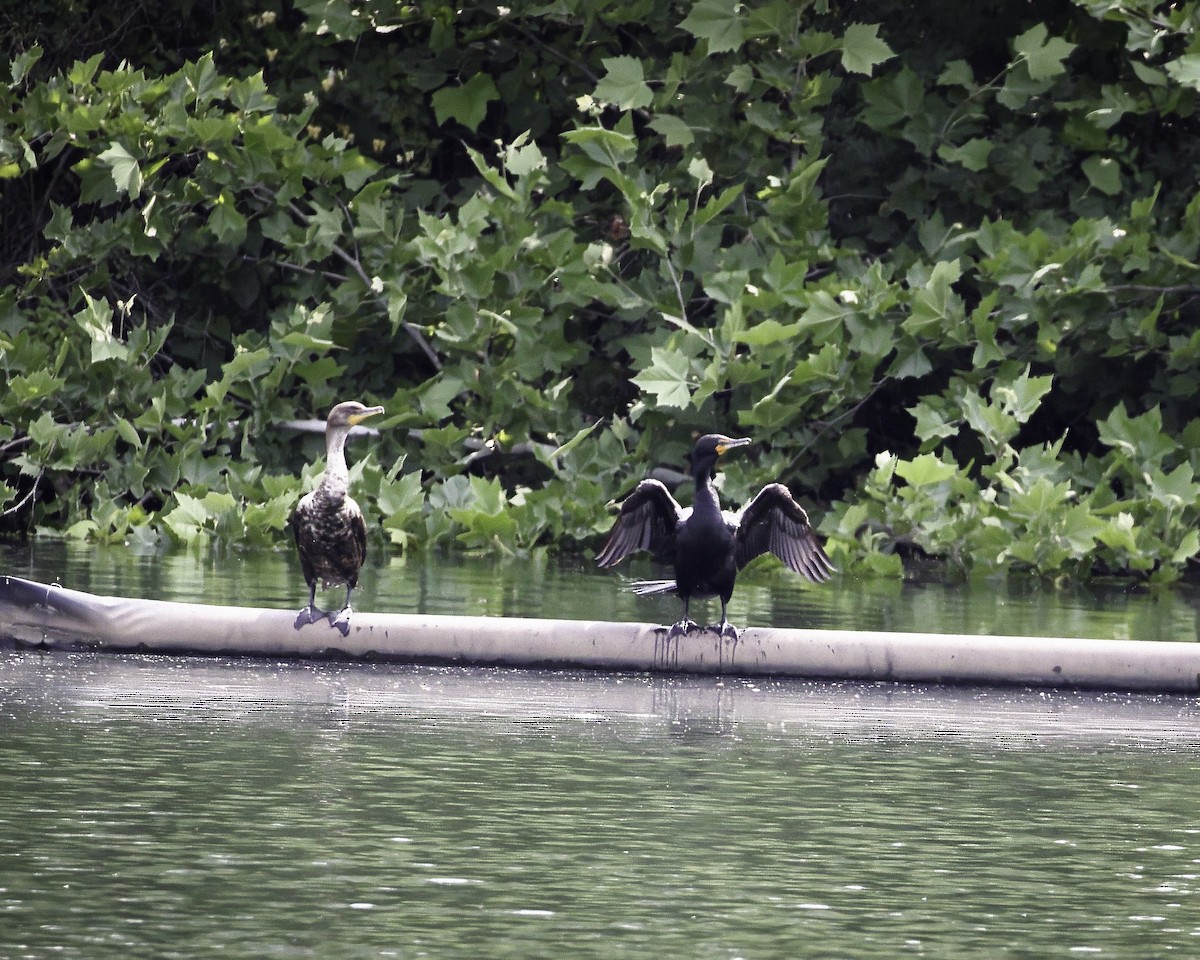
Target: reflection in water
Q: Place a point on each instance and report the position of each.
(358, 810)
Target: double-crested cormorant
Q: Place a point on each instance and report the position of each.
(331, 534)
(709, 545)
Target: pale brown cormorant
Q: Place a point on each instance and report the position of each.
(331, 534)
(707, 545)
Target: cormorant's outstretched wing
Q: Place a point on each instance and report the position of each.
(773, 522)
(647, 521)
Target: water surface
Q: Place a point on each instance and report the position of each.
(165, 808)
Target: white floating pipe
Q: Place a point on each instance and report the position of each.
(35, 614)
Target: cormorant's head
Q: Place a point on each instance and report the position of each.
(708, 448)
(350, 413)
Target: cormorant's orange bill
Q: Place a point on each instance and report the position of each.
(729, 444)
(357, 418)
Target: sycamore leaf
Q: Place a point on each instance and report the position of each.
(988, 419)
(468, 103)
(957, 73)
(924, 470)
(522, 159)
(247, 365)
(667, 378)
(21, 65)
(272, 514)
(608, 147)
(84, 70)
(768, 331)
(437, 394)
(547, 456)
(718, 22)
(701, 171)
(1080, 529)
(1175, 490)
(188, 511)
(911, 360)
(973, 154)
(1153, 77)
(1185, 70)
(741, 77)
(1119, 533)
(1188, 547)
(1139, 438)
(1104, 174)
(36, 386)
(717, 204)
(624, 85)
(128, 433)
(400, 496)
(862, 49)
(1022, 397)
(932, 423)
(226, 222)
(675, 132)
(124, 169)
(1043, 55)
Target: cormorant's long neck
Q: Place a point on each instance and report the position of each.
(705, 501)
(336, 481)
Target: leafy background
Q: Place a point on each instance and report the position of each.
(940, 262)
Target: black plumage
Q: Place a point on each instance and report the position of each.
(707, 545)
(331, 535)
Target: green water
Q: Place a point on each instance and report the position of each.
(158, 807)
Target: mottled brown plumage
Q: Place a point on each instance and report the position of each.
(709, 545)
(331, 535)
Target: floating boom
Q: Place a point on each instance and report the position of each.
(52, 617)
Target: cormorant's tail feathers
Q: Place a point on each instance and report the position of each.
(646, 587)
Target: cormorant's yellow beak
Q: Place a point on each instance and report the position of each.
(729, 444)
(357, 418)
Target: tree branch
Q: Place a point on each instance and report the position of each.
(297, 268)
(557, 54)
(25, 499)
(678, 288)
(1150, 288)
(829, 425)
(356, 266)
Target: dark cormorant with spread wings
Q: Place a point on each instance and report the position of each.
(331, 534)
(708, 545)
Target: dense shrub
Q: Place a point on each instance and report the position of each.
(941, 263)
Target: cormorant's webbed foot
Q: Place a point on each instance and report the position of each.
(684, 626)
(724, 629)
(309, 614)
(340, 621)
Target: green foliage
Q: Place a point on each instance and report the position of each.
(943, 269)
(1033, 508)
